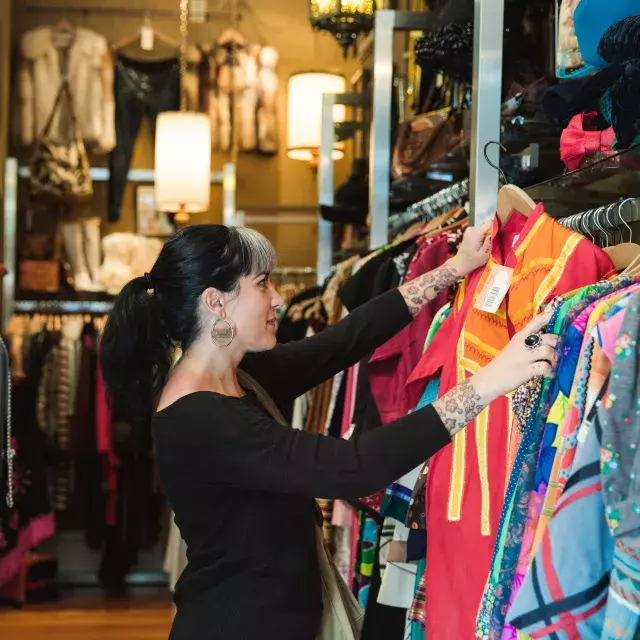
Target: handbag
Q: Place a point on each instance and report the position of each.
(342, 615)
(425, 140)
(60, 171)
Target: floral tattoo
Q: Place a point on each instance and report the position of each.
(458, 407)
(424, 289)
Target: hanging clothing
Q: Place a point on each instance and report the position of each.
(141, 88)
(466, 482)
(391, 364)
(46, 58)
(511, 555)
(554, 598)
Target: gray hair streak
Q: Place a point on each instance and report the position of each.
(258, 253)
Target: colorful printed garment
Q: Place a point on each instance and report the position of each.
(620, 418)
(570, 405)
(511, 557)
(466, 482)
(564, 595)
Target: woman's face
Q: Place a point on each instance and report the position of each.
(254, 313)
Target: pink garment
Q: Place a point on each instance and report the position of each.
(105, 447)
(391, 364)
(33, 534)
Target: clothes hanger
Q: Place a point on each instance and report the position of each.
(626, 256)
(510, 197)
(132, 45)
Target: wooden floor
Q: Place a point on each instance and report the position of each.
(90, 617)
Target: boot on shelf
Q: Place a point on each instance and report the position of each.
(73, 239)
(91, 233)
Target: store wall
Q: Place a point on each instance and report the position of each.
(269, 182)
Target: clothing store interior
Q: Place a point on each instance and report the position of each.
(362, 138)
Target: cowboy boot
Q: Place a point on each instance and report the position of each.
(91, 232)
(74, 249)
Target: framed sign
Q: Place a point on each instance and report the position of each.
(150, 221)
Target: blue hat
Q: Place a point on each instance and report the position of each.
(592, 18)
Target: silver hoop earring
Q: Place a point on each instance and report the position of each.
(223, 336)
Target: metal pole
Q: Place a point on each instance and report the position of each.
(380, 148)
(9, 228)
(325, 187)
(488, 36)
(229, 194)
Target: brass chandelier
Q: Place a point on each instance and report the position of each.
(344, 19)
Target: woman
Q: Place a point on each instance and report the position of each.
(240, 483)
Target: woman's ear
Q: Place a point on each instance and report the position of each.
(214, 302)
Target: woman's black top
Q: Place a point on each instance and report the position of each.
(242, 485)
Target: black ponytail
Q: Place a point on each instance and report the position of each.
(135, 351)
(156, 311)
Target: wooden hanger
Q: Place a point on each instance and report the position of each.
(626, 255)
(164, 47)
(510, 197)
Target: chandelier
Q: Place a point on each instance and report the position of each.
(344, 19)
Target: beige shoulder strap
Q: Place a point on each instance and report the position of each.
(248, 382)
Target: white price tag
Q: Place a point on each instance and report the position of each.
(495, 289)
(146, 38)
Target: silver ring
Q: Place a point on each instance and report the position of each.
(533, 341)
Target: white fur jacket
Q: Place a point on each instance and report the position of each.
(91, 80)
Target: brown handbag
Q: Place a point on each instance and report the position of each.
(59, 170)
(425, 140)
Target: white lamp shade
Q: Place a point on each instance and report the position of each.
(304, 113)
(183, 161)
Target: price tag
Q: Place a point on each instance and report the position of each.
(146, 38)
(495, 289)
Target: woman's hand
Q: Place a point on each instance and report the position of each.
(474, 250)
(516, 363)
(513, 366)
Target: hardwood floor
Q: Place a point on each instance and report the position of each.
(90, 617)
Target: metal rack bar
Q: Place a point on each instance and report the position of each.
(387, 22)
(294, 271)
(71, 9)
(488, 37)
(9, 243)
(62, 306)
(325, 174)
(612, 216)
(442, 199)
(103, 174)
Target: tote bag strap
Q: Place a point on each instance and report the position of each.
(252, 384)
(63, 92)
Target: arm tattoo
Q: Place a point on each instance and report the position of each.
(458, 407)
(421, 291)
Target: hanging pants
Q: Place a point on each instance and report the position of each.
(140, 88)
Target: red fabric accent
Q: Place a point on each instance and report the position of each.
(392, 363)
(104, 439)
(32, 534)
(583, 493)
(566, 619)
(580, 139)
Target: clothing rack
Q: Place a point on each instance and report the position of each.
(432, 205)
(623, 212)
(62, 306)
(294, 271)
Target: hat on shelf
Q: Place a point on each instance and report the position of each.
(592, 18)
(620, 45)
